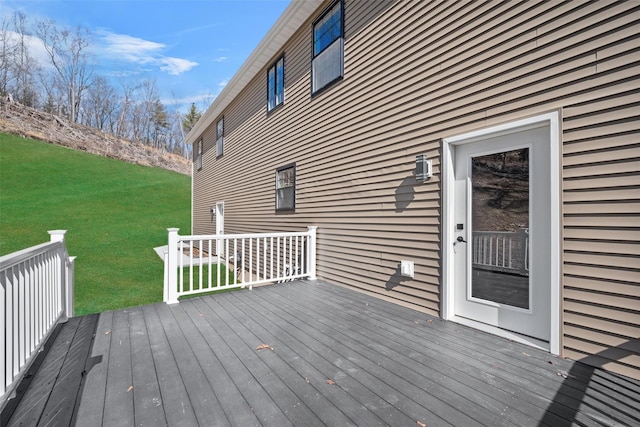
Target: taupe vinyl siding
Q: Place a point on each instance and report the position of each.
(417, 72)
(602, 226)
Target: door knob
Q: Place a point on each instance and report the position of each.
(460, 239)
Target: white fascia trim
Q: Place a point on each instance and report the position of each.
(289, 22)
(552, 119)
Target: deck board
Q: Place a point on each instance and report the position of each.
(118, 405)
(298, 389)
(389, 380)
(448, 388)
(253, 373)
(64, 395)
(370, 390)
(205, 404)
(230, 398)
(147, 399)
(34, 399)
(94, 386)
(307, 362)
(333, 357)
(175, 399)
(462, 372)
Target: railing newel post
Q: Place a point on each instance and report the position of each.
(69, 287)
(312, 251)
(171, 283)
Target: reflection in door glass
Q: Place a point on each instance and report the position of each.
(500, 227)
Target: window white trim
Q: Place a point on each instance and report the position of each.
(275, 93)
(290, 187)
(200, 151)
(327, 64)
(220, 137)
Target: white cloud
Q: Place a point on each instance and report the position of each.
(220, 59)
(176, 66)
(131, 48)
(205, 98)
(223, 83)
(35, 48)
(143, 52)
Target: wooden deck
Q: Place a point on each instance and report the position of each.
(307, 354)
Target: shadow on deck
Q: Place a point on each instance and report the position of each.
(305, 354)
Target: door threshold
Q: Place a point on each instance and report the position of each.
(513, 336)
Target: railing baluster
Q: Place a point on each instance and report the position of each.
(235, 261)
(271, 257)
(200, 266)
(226, 255)
(290, 257)
(243, 259)
(264, 257)
(258, 258)
(250, 258)
(3, 327)
(209, 264)
(219, 256)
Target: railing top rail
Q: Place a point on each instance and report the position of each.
(9, 260)
(498, 232)
(241, 236)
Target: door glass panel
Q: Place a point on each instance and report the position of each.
(500, 227)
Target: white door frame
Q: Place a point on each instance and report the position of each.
(448, 224)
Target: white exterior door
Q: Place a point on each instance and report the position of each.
(501, 232)
(219, 227)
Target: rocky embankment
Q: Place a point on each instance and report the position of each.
(24, 121)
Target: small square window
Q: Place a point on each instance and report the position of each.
(275, 84)
(286, 188)
(220, 137)
(327, 65)
(199, 154)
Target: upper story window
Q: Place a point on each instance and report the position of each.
(286, 188)
(275, 84)
(220, 137)
(199, 151)
(327, 65)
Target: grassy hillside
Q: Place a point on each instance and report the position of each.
(115, 214)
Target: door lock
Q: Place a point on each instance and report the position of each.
(460, 239)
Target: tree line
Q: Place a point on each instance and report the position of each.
(67, 85)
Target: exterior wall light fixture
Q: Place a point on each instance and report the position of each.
(424, 168)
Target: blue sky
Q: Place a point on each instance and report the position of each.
(192, 48)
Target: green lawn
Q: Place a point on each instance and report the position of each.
(115, 213)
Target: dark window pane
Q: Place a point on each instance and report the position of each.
(500, 224)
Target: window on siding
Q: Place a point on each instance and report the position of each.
(286, 188)
(327, 65)
(199, 154)
(275, 84)
(220, 137)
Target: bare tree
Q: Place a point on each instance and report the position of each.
(25, 67)
(69, 54)
(7, 56)
(125, 108)
(99, 104)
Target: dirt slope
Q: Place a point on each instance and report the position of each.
(20, 120)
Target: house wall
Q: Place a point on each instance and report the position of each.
(417, 72)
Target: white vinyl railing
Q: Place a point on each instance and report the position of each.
(198, 264)
(502, 250)
(36, 292)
